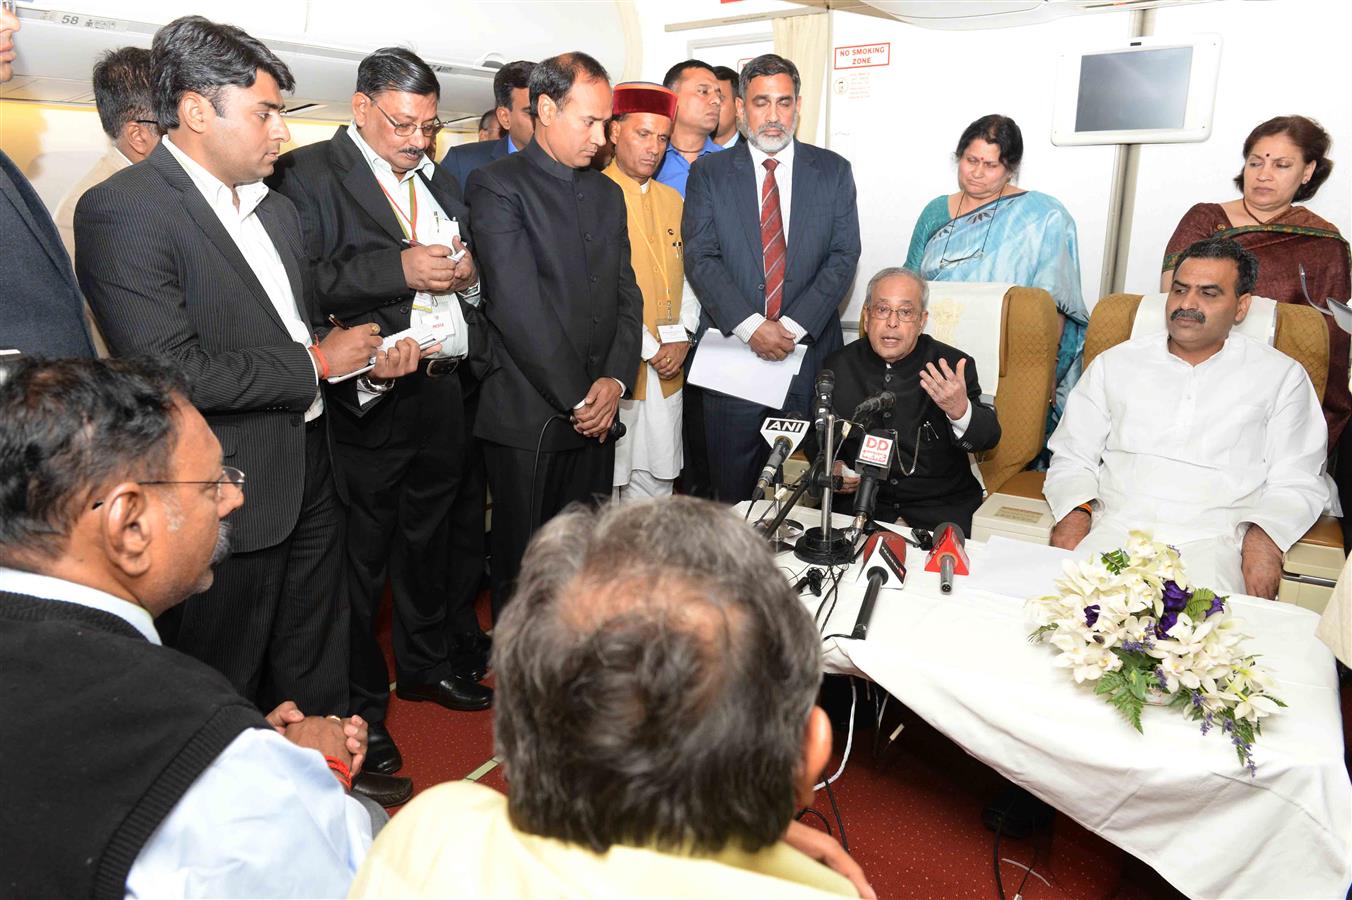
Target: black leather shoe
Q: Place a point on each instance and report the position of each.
(469, 655)
(456, 693)
(382, 756)
(387, 790)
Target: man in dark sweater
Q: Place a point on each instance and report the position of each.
(938, 407)
(144, 771)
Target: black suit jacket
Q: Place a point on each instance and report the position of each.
(724, 260)
(41, 312)
(164, 277)
(942, 470)
(462, 159)
(353, 244)
(563, 307)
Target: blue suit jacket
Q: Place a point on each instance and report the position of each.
(41, 312)
(462, 159)
(723, 257)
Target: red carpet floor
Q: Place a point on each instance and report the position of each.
(912, 814)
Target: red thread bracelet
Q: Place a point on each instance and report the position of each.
(340, 769)
(319, 357)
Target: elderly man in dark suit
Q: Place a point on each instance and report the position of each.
(381, 224)
(189, 256)
(564, 311)
(41, 312)
(511, 93)
(771, 243)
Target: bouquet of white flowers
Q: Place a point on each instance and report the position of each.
(1130, 623)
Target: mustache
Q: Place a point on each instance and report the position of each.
(1195, 314)
(221, 552)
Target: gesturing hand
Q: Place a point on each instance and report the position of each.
(947, 388)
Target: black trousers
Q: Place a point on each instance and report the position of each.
(737, 451)
(417, 520)
(524, 499)
(275, 621)
(957, 508)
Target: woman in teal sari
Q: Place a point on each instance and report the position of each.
(991, 230)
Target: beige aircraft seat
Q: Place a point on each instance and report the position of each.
(1312, 565)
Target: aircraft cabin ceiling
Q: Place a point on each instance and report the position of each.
(323, 40)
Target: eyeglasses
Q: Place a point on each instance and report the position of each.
(151, 122)
(881, 313)
(406, 129)
(230, 476)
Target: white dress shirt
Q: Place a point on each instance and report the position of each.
(247, 231)
(784, 181)
(431, 220)
(1192, 453)
(265, 819)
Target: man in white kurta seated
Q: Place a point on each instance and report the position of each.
(1210, 440)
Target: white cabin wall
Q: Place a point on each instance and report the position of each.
(899, 125)
(1278, 58)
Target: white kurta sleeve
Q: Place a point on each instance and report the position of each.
(690, 308)
(1295, 446)
(650, 346)
(1077, 444)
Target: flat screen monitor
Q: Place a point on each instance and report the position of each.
(1150, 90)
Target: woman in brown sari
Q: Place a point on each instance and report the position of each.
(1285, 161)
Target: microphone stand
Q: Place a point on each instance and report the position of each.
(825, 545)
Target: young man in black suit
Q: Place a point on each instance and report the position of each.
(189, 256)
(511, 93)
(565, 314)
(381, 222)
(771, 236)
(41, 313)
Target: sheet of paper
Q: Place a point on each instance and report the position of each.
(1017, 568)
(726, 365)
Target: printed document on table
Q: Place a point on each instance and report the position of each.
(726, 365)
(1018, 568)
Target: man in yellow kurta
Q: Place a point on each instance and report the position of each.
(648, 458)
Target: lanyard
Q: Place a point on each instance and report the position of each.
(412, 228)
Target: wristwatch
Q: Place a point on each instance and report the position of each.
(364, 383)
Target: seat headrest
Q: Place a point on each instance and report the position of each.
(968, 316)
(1260, 324)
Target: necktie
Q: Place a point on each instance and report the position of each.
(773, 245)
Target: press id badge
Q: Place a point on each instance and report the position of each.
(672, 334)
(444, 231)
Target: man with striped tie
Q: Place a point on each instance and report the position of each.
(771, 287)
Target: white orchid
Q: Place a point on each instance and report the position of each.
(1254, 707)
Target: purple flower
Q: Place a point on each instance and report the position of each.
(1207, 721)
(1091, 614)
(1175, 598)
(1217, 605)
(1160, 679)
(1167, 621)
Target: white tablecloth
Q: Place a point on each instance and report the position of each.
(1172, 797)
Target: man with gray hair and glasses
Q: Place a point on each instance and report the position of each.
(655, 711)
(145, 773)
(937, 419)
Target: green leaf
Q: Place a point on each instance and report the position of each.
(1040, 633)
(1116, 561)
(1109, 682)
(1136, 682)
(1130, 706)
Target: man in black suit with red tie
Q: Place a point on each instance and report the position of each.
(381, 224)
(771, 236)
(565, 314)
(187, 255)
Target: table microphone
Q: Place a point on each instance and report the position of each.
(877, 403)
(783, 436)
(873, 464)
(884, 567)
(824, 388)
(949, 556)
